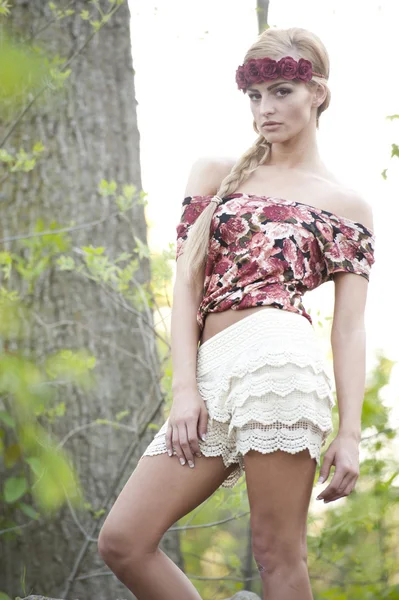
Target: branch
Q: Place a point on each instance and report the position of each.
(107, 501)
(44, 88)
(63, 230)
(46, 25)
(92, 334)
(92, 424)
(136, 313)
(185, 527)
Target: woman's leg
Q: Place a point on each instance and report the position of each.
(159, 492)
(279, 488)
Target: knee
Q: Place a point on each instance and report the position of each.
(111, 545)
(273, 552)
(116, 548)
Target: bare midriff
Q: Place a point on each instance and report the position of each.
(217, 321)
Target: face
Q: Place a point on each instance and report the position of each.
(287, 102)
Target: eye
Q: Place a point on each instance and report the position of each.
(252, 96)
(286, 90)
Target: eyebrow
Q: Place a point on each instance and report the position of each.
(270, 86)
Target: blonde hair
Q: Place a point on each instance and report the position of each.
(273, 43)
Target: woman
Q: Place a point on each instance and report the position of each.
(255, 395)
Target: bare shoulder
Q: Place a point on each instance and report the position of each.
(206, 175)
(357, 208)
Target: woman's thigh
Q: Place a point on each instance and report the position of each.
(279, 486)
(159, 492)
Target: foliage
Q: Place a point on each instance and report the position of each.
(28, 404)
(352, 545)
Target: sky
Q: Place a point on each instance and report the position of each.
(185, 55)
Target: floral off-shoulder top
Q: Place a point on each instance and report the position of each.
(269, 251)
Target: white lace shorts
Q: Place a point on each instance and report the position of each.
(266, 387)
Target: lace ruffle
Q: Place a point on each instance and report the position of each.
(252, 436)
(266, 387)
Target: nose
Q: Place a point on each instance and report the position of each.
(266, 107)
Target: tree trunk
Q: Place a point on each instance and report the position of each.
(90, 132)
(262, 10)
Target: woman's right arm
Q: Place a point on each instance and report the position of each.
(189, 417)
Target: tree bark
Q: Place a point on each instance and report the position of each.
(262, 10)
(90, 131)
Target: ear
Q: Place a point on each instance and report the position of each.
(319, 95)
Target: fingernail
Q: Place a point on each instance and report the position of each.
(198, 454)
(203, 436)
(169, 452)
(191, 464)
(318, 498)
(321, 479)
(182, 461)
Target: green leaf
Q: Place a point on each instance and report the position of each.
(65, 263)
(153, 427)
(93, 251)
(121, 414)
(107, 188)
(38, 148)
(14, 488)
(141, 248)
(129, 190)
(35, 464)
(28, 510)
(3, 596)
(7, 418)
(395, 150)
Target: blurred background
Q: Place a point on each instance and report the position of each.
(104, 107)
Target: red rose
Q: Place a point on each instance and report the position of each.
(298, 266)
(349, 249)
(325, 230)
(241, 78)
(304, 72)
(252, 71)
(289, 250)
(335, 252)
(233, 230)
(268, 68)
(288, 67)
(276, 212)
(222, 266)
(352, 233)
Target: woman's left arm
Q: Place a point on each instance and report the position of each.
(348, 342)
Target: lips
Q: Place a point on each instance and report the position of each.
(270, 123)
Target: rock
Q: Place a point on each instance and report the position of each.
(244, 595)
(37, 598)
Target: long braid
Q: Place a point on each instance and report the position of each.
(195, 250)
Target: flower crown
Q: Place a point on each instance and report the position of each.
(263, 69)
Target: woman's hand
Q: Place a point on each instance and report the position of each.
(343, 453)
(188, 419)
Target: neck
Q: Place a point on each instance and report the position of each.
(299, 152)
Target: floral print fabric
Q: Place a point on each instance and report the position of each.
(270, 251)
